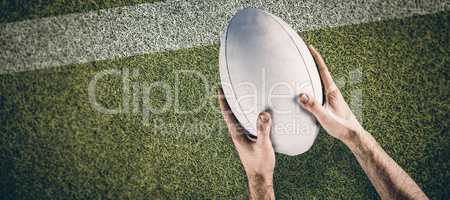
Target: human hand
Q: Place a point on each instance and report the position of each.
(257, 157)
(388, 178)
(335, 115)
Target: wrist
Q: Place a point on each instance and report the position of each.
(355, 138)
(261, 179)
(260, 186)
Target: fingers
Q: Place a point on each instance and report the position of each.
(264, 124)
(230, 119)
(310, 104)
(225, 108)
(325, 74)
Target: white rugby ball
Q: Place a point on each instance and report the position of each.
(264, 65)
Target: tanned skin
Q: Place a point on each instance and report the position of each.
(335, 116)
(257, 157)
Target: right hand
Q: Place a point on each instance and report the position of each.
(335, 115)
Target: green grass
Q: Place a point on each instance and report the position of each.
(17, 10)
(56, 146)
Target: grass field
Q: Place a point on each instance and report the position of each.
(18, 10)
(55, 145)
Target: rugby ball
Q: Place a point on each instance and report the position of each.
(264, 65)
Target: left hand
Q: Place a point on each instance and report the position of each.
(257, 157)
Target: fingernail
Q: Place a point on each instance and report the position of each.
(264, 117)
(303, 98)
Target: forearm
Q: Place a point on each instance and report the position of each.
(260, 187)
(388, 178)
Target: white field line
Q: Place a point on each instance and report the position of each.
(171, 25)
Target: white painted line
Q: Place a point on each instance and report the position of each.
(171, 25)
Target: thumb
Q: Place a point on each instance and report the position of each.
(310, 104)
(264, 124)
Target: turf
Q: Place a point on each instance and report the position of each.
(56, 146)
(18, 10)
